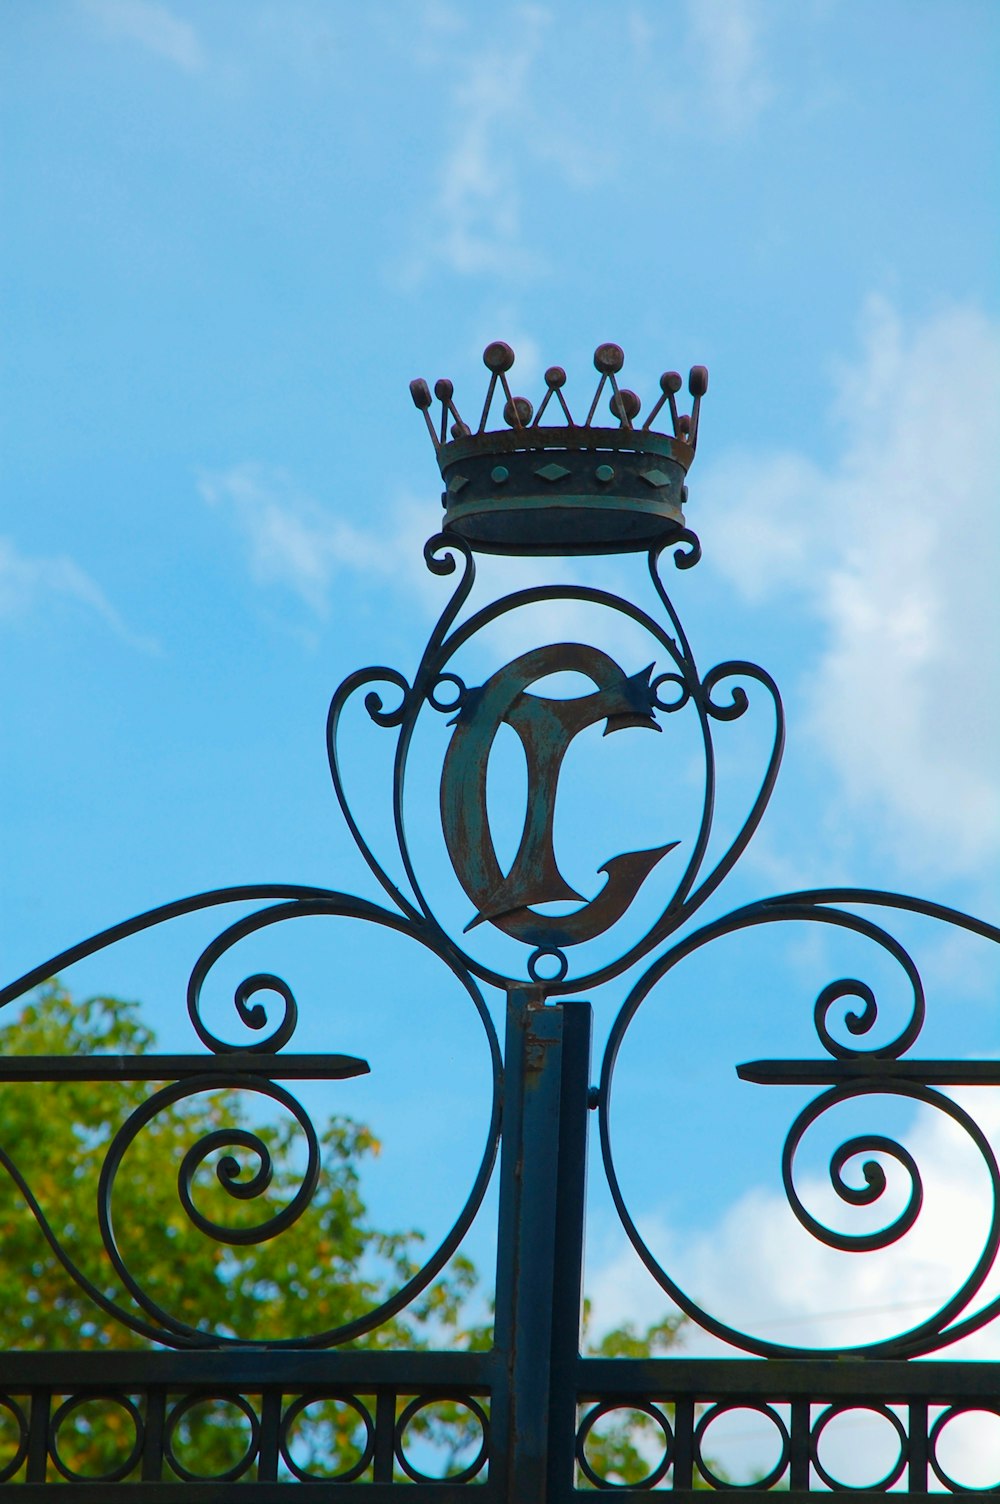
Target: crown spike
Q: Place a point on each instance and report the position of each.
(697, 386)
(562, 404)
(555, 380)
(509, 395)
(608, 360)
(593, 405)
(421, 394)
(670, 382)
(497, 357)
(556, 377)
(615, 403)
(541, 407)
(444, 390)
(489, 402)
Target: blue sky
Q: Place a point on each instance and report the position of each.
(232, 232)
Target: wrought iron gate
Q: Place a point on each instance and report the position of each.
(565, 489)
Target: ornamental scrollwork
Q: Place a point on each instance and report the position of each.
(522, 930)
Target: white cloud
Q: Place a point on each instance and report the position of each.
(506, 117)
(478, 205)
(153, 26)
(894, 550)
(294, 541)
(724, 48)
(719, 82)
(31, 583)
(510, 114)
(756, 1262)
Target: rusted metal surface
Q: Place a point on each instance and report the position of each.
(545, 727)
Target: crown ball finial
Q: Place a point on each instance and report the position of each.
(421, 393)
(609, 359)
(698, 381)
(444, 389)
(625, 405)
(517, 413)
(555, 377)
(671, 381)
(498, 357)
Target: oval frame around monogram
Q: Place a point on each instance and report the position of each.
(626, 696)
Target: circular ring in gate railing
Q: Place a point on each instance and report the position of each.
(628, 1407)
(953, 1415)
(847, 1407)
(715, 1413)
(297, 1411)
(10, 1407)
(184, 1410)
(73, 1406)
(425, 1402)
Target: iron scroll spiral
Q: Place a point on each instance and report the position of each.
(857, 1179)
(395, 704)
(147, 1317)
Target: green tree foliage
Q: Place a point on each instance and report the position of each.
(626, 1444)
(621, 1445)
(329, 1268)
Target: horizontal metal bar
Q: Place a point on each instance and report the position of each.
(174, 1491)
(758, 1495)
(243, 1491)
(298, 1369)
(781, 1379)
(866, 1067)
(180, 1067)
(250, 1370)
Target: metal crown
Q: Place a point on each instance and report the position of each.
(539, 487)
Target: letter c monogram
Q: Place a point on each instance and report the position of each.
(545, 728)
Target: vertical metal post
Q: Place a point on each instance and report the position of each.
(540, 1244)
(154, 1423)
(270, 1435)
(571, 1201)
(38, 1436)
(385, 1436)
(800, 1424)
(919, 1448)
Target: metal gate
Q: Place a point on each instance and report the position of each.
(533, 1400)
